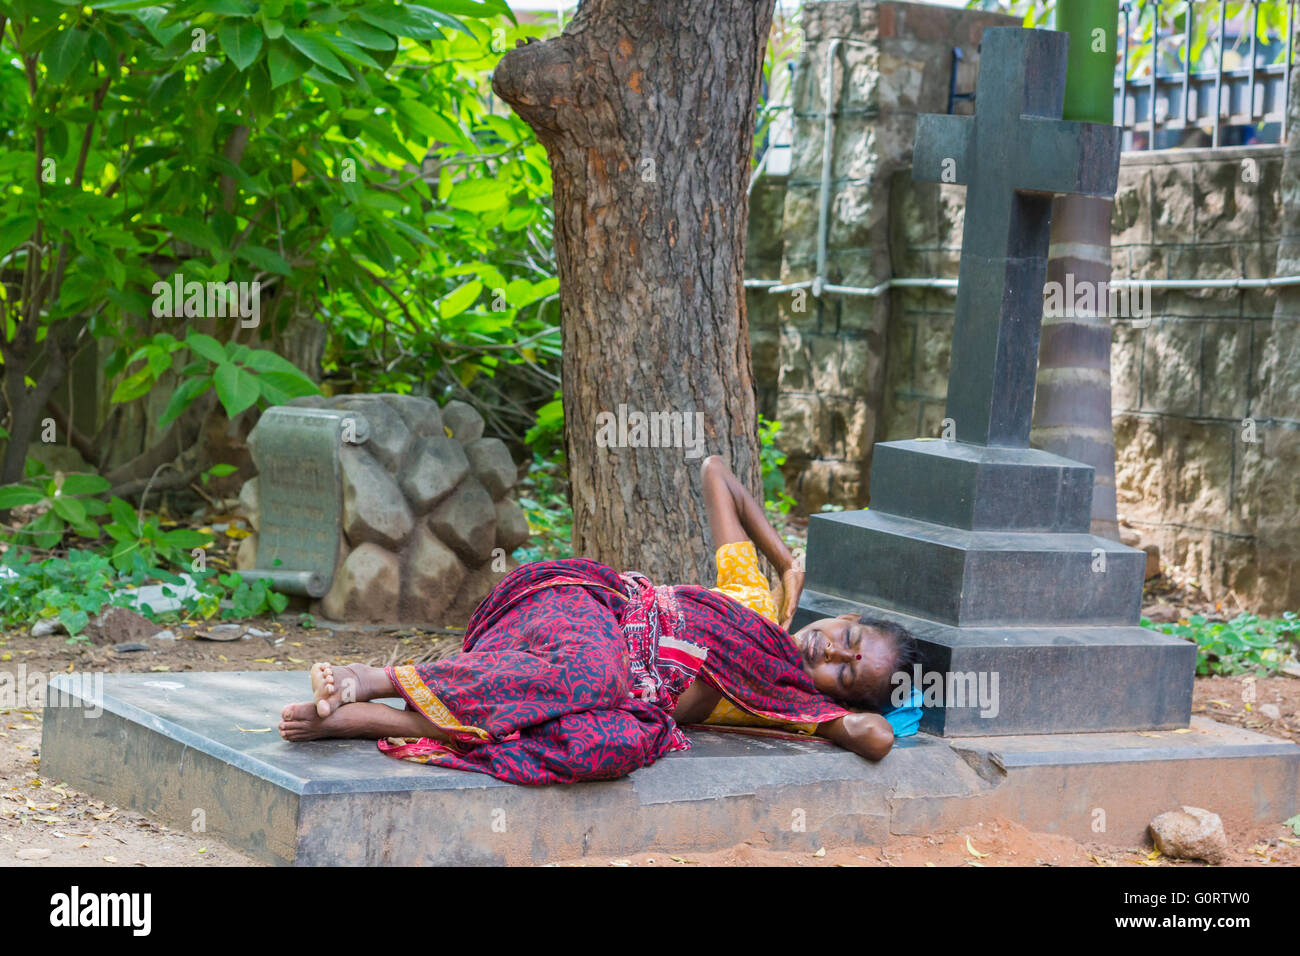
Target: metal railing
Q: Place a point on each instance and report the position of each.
(1161, 110)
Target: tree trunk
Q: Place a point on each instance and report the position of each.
(646, 110)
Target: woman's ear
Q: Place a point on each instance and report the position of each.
(851, 618)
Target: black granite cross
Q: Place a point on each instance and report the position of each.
(1012, 155)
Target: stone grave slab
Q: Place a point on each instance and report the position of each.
(201, 746)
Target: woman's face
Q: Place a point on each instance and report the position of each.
(846, 660)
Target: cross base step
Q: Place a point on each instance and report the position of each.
(1038, 680)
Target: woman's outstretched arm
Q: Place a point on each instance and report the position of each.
(867, 735)
(734, 516)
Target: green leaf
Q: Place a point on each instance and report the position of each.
(343, 223)
(185, 538)
(477, 195)
(183, 397)
(206, 346)
(13, 496)
(280, 388)
(82, 484)
(469, 8)
(363, 34)
(264, 360)
(69, 509)
(242, 41)
(236, 389)
(314, 48)
(454, 303)
(133, 386)
(74, 621)
(15, 229)
(352, 51)
(64, 53)
(264, 259)
(123, 513)
(196, 232)
(285, 67)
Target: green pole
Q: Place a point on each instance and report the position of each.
(1090, 77)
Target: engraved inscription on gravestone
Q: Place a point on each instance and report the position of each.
(296, 451)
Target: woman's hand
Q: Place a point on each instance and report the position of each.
(791, 590)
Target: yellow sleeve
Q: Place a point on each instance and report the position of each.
(741, 580)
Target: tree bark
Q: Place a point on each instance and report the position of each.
(1072, 403)
(646, 110)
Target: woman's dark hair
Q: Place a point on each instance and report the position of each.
(907, 654)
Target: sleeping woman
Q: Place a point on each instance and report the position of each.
(571, 671)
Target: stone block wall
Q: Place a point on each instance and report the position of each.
(820, 362)
(1213, 367)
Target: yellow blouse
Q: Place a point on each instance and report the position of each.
(740, 579)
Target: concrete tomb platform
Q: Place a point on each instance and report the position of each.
(187, 748)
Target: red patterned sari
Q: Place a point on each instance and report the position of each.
(571, 672)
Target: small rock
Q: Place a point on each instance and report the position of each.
(389, 437)
(246, 556)
(33, 853)
(433, 577)
(250, 503)
(366, 588)
(1190, 834)
(1271, 711)
(221, 632)
(435, 467)
(130, 647)
(117, 625)
(462, 421)
(1163, 614)
(492, 465)
(421, 415)
(167, 635)
(512, 525)
(1153, 561)
(374, 510)
(46, 627)
(257, 632)
(467, 520)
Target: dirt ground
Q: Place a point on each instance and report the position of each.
(43, 822)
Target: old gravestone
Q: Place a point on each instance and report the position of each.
(981, 545)
(384, 507)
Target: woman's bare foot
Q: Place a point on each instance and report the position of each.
(362, 719)
(332, 687)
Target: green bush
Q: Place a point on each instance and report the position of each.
(1246, 643)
